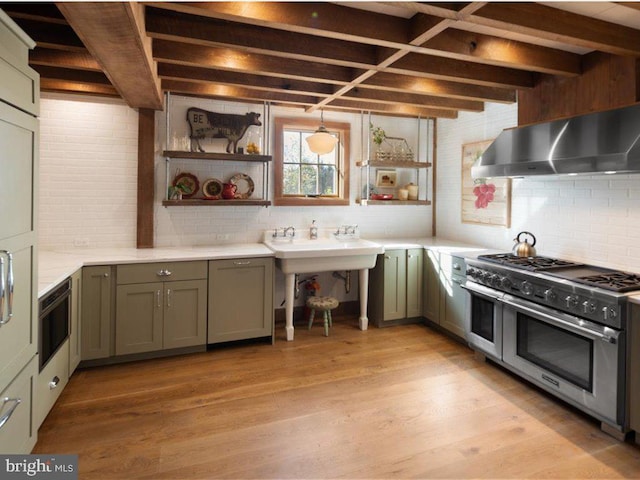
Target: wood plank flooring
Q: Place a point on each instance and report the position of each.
(400, 402)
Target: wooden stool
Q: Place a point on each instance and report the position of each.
(325, 305)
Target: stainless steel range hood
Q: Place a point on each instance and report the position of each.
(603, 142)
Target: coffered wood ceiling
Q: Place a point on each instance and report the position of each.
(398, 58)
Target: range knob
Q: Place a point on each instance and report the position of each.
(526, 288)
(572, 301)
(472, 272)
(588, 307)
(506, 283)
(609, 313)
(550, 295)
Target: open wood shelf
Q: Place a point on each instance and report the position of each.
(234, 157)
(200, 202)
(393, 202)
(378, 163)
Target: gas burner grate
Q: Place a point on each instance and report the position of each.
(537, 263)
(616, 281)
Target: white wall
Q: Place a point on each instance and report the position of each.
(593, 219)
(88, 172)
(88, 184)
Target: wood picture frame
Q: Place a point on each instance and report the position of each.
(485, 201)
(386, 178)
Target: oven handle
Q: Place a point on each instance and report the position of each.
(482, 290)
(2, 289)
(605, 334)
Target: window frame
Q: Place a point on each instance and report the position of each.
(343, 130)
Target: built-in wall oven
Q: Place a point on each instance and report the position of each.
(555, 330)
(54, 313)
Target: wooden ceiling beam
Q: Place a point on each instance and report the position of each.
(65, 59)
(460, 71)
(442, 88)
(229, 59)
(397, 109)
(561, 26)
(240, 93)
(310, 18)
(219, 33)
(65, 86)
(114, 33)
(413, 99)
(51, 35)
(259, 82)
(37, 11)
(71, 75)
(491, 50)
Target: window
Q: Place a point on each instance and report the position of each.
(302, 177)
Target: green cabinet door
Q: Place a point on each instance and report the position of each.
(96, 312)
(431, 288)
(139, 312)
(395, 284)
(414, 282)
(185, 313)
(240, 299)
(454, 295)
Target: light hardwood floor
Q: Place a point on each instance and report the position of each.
(400, 402)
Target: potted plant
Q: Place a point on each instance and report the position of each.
(176, 191)
(378, 134)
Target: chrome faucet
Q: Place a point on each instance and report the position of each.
(287, 230)
(346, 230)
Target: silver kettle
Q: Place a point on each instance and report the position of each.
(524, 249)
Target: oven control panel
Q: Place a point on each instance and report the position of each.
(561, 295)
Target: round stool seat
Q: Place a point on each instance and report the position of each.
(322, 303)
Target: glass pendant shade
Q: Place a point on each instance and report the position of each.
(321, 141)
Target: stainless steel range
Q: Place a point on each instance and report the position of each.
(557, 323)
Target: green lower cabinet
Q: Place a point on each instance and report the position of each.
(98, 289)
(240, 299)
(395, 287)
(160, 315)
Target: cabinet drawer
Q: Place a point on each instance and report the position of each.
(17, 435)
(161, 272)
(20, 86)
(51, 381)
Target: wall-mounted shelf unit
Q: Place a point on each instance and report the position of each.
(420, 168)
(221, 157)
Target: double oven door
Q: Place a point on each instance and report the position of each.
(577, 360)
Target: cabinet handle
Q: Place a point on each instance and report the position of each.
(2, 290)
(456, 266)
(164, 273)
(5, 418)
(387, 257)
(54, 382)
(240, 262)
(105, 275)
(6, 287)
(158, 298)
(168, 297)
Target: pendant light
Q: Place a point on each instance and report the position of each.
(321, 141)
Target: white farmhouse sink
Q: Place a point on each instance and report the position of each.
(324, 254)
(296, 255)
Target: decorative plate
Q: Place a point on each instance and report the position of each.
(190, 183)
(381, 196)
(212, 189)
(244, 184)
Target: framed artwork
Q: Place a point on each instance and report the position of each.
(485, 201)
(386, 178)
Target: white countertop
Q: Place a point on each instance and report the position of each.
(55, 266)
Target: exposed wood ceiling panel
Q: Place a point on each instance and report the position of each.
(399, 58)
